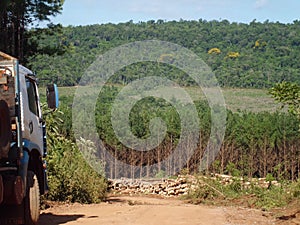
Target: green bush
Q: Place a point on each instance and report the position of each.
(207, 190)
(235, 186)
(70, 177)
(232, 170)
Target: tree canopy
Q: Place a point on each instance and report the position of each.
(16, 16)
(241, 55)
(288, 94)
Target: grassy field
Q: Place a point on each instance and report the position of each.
(254, 100)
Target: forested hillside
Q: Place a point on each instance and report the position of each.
(241, 55)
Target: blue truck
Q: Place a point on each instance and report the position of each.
(22, 143)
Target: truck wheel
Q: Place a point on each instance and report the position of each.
(32, 200)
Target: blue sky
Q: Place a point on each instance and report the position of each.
(85, 12)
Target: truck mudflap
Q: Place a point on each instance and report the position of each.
(13, 190)
(1, 189)
(12, 209)
(5, 129)
(12, 193)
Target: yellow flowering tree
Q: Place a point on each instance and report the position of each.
(214, 51)
(233, 55)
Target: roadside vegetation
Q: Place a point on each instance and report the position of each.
(212, 191)
(70, 177)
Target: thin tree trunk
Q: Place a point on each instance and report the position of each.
(265, 157)
(141, 164)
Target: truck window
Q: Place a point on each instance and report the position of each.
(32, 97)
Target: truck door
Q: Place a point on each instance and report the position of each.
(35, 121)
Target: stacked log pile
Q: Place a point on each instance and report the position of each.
(164, 187)
(182, 185)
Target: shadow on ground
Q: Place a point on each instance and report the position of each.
(51, 219)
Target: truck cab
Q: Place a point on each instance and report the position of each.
(22, 143)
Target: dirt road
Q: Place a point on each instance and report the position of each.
(148, 211)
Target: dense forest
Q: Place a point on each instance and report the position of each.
(241, 55)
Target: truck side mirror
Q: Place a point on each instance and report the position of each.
(52, 96)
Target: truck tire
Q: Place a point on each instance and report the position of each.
(32, 200)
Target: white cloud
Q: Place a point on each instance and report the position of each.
(260, 4)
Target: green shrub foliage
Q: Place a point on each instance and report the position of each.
(70, 177)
